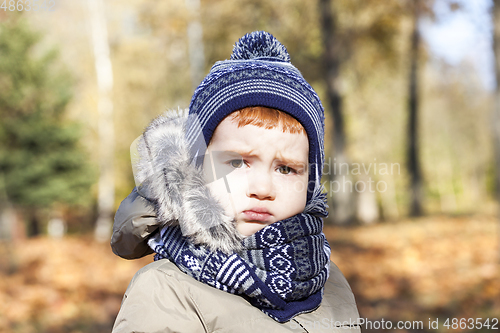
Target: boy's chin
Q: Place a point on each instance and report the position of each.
(249, 228)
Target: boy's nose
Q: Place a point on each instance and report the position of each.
(260, 186)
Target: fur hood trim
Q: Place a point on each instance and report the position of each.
(169, 177)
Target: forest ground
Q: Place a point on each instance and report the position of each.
(415, 270)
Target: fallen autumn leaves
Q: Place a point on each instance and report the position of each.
(416, 269)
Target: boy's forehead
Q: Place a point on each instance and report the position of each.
(251, 139)
(232, 120)
(230, 130)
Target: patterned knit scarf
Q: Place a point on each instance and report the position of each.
(281, 270)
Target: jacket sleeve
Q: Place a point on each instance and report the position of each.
(135, 220)
(157, 302)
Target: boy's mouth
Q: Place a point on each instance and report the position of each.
(257, 214)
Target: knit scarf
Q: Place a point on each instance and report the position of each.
(281, 270)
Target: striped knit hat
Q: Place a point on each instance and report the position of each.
(259, 73)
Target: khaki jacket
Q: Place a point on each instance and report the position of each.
(161, 298)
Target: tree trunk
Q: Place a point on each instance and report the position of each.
(195, 43)
(7, 214)
(104, 74)
(343, 199)
(496, 110)
(7, 222)
(413, 147)
(33, 223)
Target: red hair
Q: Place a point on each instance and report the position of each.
(267, 118)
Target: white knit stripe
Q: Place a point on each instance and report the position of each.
(250, 256)
(227, 263)
(175, 247)
(167, 235)
(314, 243)
(308, 223)
(225, 288)
(256, 86)
(256, 293)
(249, 282)
(327, 249)
(244, 276)
(261, 273)
(235, 274)
(315, 283)
(317, 188)
(224, 266)
(258, 62)
(229, 270)
(315, 250)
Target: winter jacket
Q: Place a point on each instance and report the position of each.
(161, 298)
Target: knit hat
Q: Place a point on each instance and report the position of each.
(259, 73)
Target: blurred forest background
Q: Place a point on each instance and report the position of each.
(80, 80)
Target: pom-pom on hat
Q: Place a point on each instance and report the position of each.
(259, 45)
(259, 73)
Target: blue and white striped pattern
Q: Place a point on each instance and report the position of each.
(282, 268)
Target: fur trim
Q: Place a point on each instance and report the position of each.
(177, 186)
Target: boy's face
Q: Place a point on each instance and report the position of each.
(264, 173)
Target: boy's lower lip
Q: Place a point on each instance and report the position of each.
(256, 216)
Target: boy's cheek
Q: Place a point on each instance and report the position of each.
(230, 191)
(296, 185)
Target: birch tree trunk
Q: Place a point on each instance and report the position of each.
(105, 111)
(413, 158)
(496, 110)
(342, 200)
(195, 43)
(7, 213)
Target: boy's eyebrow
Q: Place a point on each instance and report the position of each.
(239, 152)
(283, 159)
(292, 161)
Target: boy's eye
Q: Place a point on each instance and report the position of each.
(236, 163)
(285, 170)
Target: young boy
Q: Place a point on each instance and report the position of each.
(240, 222)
